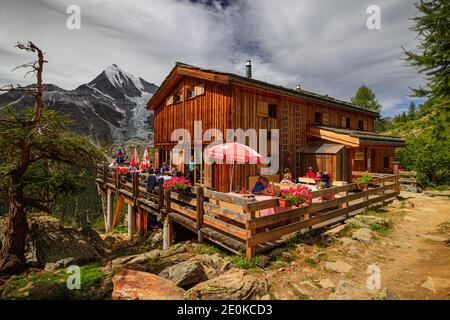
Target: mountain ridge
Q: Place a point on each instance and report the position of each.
(111, 108)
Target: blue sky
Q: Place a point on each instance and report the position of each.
(324, 45)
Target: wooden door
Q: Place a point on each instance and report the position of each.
(325, 163)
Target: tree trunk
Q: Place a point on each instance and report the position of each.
(12, 254)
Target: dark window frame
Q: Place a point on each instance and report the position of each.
(318, 118)
(360, 125)
(386, 162)
(272, 110)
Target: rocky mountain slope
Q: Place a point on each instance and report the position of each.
(109, 109)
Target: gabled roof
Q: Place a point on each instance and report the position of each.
(354, 138)
(182, 69)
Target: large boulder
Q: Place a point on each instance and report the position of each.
(373, 220)
(51, 243)
(214, 265)
(338, 266)
(185, 274)
(336, 231)
(347, 290)
(153, 261)
(137, 285)
(363, 235)
(235, 284)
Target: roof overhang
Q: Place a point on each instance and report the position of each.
(322, 148)
(351, 138)
(175, 75)
(182, 69)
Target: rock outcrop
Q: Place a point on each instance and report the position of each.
(185, 273)
(137, 285)
(50, 243)
(235, 284)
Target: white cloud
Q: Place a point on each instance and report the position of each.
(324, 45)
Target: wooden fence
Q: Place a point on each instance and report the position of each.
(232, 222)
(407, 177)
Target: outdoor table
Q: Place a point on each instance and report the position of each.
(165, 177)
(264, 212)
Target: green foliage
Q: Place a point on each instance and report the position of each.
(17, 287)
(365, 98)
(428, 152)
(365, 180)
(412, 112)
(240, 261)
(382, 230)
(58, 160)
(203, 248)
(427, 133)
(120, 229)
(432, 55)
(99, 224)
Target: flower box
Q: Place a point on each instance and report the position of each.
(178, 184)
(296, 196)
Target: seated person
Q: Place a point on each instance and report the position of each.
(258, 187)
(175, 172)
(287, 178)
(152, 179)
(164, 169)
(325, 177)
(267, 191)
(310, 173)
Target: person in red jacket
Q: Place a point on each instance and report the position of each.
(310, 173)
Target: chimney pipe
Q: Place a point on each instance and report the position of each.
(248, 69)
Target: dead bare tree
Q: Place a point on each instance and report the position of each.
(12, 254)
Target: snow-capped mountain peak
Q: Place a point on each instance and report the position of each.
(118, 77)
(110, 108)
(117, 83)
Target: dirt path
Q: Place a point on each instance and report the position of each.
(413, 257)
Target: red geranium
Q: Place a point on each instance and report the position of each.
(177, 183)
(297, 195)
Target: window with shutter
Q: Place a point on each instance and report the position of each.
(326, 119)
(199, 90)
(169, 100)
(366, 125)
(177, 96)
(190, 93)
(343, 122)
(263, 109)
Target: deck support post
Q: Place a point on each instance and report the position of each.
(396, 181)
(346, 205)
(249, 250)
(109, 211)
(131, 221)
(367, 199)
(199, 214)
(167, 222)
(167, 233)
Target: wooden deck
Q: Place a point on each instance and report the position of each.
(229, 221)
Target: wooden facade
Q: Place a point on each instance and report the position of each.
(226, 101)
